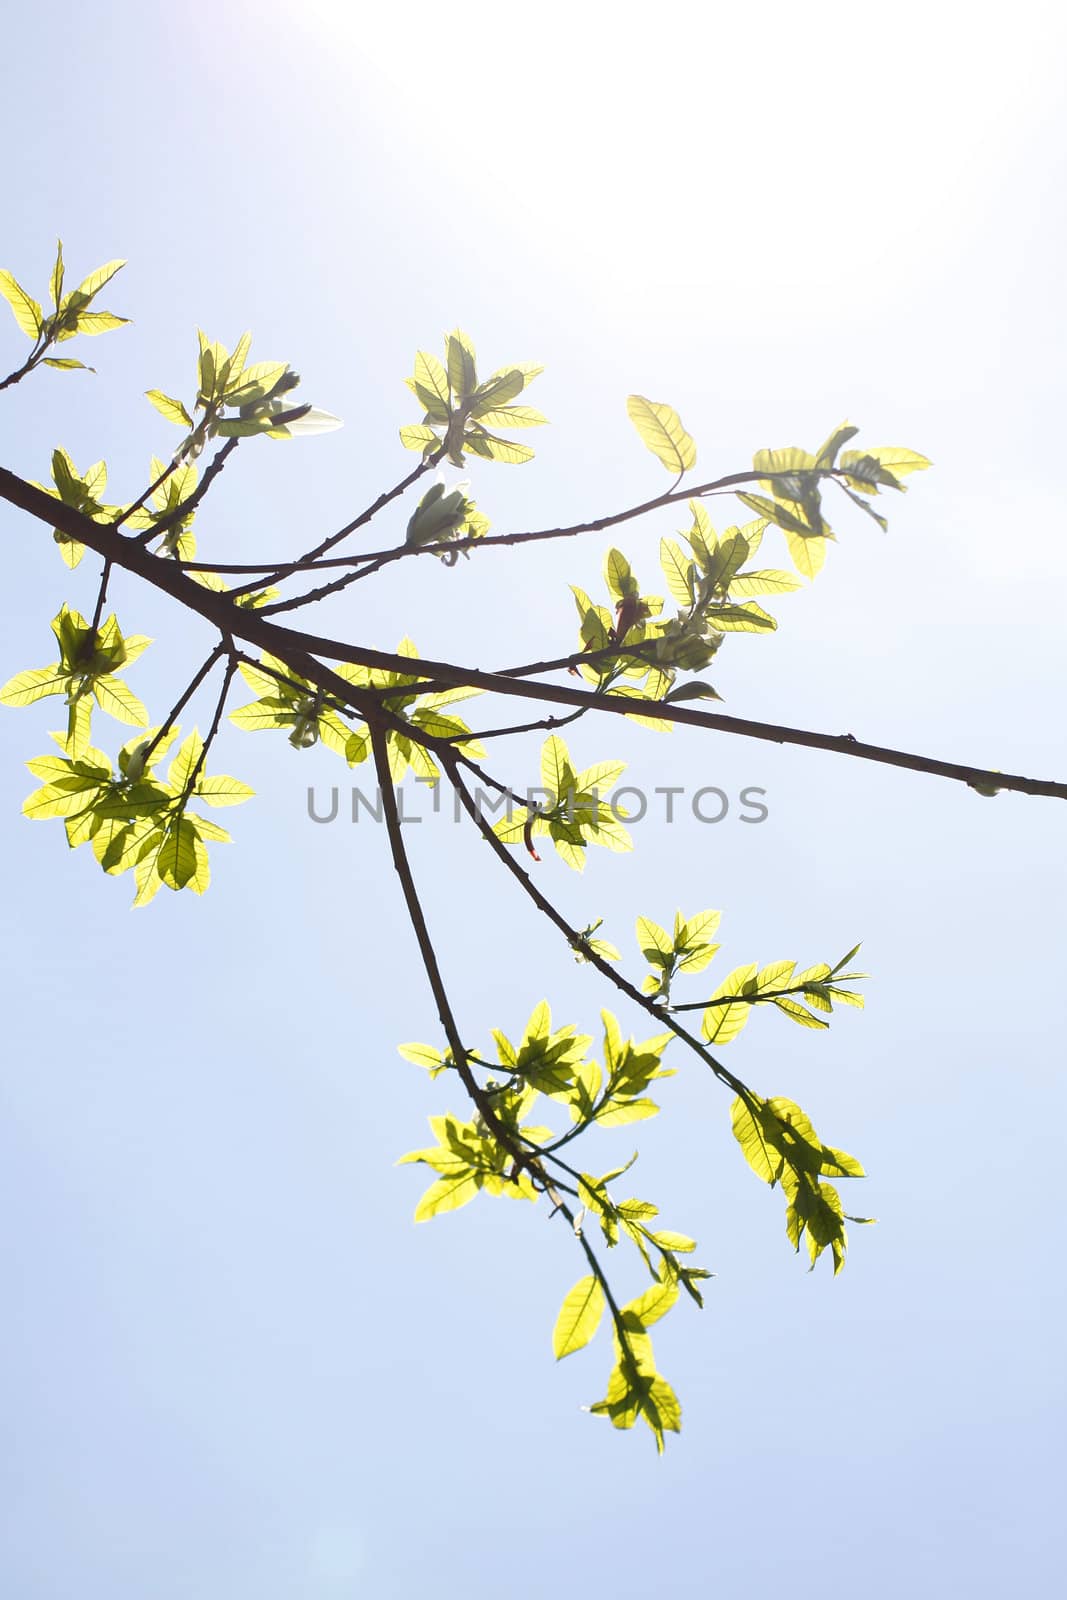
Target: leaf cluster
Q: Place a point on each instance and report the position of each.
(72, 313)
(460, 413)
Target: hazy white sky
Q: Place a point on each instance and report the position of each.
(773, 161)
(231, 1364)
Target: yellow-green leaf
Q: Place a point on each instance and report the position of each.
(94, 322)
(418, 437)
(898, 461)
(223, 791)
(118, 701)
(619, 1112)
(177, 859)
(579, 1317)
(653, 1304)
(26, 311)
(26, 687)
(808, 554)
(423, 1055)
(173, 410)
(96, 280)
(494, 449)
(660, 427)
(678, 571)
(448, 1194)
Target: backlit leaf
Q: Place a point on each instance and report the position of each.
(660, 428)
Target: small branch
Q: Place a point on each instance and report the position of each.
(343, 708)
(220, 706)
(185, 509)
(101, 597)
(482, 1101)
(233, 567)
(573, 935)
(622, 1333)
(750, 999)
(546, 724)
(183, 700)
(494, 783)
(27, 366)
(300, 649)
(376, 560)
(311, 556)
(617, 653)
(144, 498)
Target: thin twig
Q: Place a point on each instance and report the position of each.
(101, 597)
(144, 498)
(27, 366)
(482, 1101)
(573, 935)
(376, 560)
(220, 706)
(183, 700)
(186, 507)
(311, 556)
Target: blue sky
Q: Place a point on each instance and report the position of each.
(232, 1365)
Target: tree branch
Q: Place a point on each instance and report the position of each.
(186, 507)
(481, 1100)
(300, 649)
(573, 935)
(376, 560)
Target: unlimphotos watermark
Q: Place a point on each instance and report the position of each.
(630, 804)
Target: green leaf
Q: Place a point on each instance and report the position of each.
(254, 383)
(695, 929)
(491, 448)
(723, 1021)
(24, 307)
(557, 774)
(768, 582)
(431, 376)
(746, 618)
(653, 1304)
(510, 417)
(56, 284)
(418, 437)
(184, 762)
(660, 428)
(680, 1243)
(96, 280)
(94, 322)
(579, 1317)
(808, 554)
(176, 863)
(36, 684)
(448, 1194)
(827, 455)
(223, 791)
(898, 461)
(462, 376)
(774, 511)
(118, 701)
(173, 410)
(654, 942)
(423, 1055)
(798, 1013)
(619, 1112)
(66, 364)
(495, 394)
(679, 571)
(618, 575)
